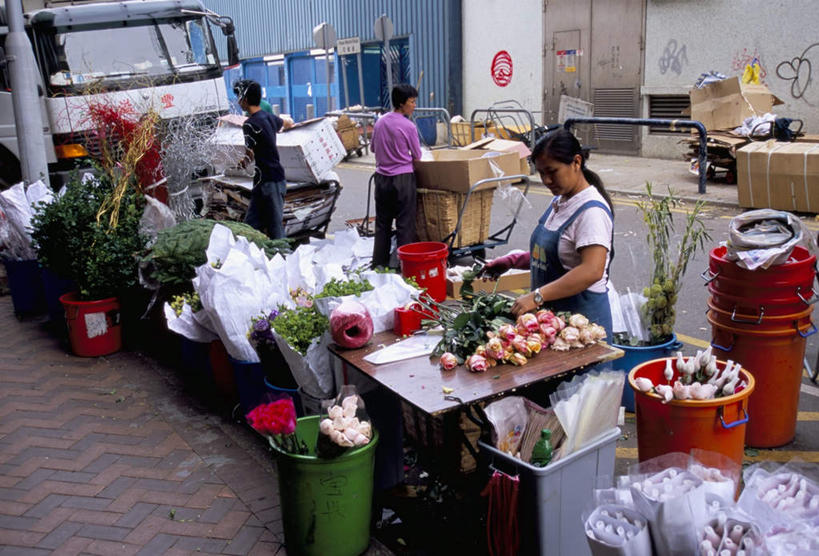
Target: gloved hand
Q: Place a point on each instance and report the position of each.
(514, 259)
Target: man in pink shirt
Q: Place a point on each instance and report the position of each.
(395, 145)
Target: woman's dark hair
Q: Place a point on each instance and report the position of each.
(401, 93)
(563, 146)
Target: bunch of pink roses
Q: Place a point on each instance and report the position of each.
(277, 421)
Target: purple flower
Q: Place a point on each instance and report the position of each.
(273, 314)
(261, 325)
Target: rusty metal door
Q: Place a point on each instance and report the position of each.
(594, 51)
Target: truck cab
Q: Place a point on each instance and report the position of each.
(133, 55)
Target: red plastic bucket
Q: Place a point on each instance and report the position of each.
(774, 354)
(426, 262)
(771, 306)
(798, 270)
(94, 327)
(716, 425)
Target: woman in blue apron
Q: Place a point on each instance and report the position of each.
(570, 249)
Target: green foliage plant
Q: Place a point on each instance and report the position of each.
(670, 259)
(172, 260)
(100, 257)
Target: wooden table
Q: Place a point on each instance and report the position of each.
(420, 380)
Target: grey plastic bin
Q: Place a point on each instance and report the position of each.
(552, 498)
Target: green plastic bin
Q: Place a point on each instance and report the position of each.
(326, 503)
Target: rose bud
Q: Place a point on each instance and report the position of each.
(448, 361)
(558, 323)
(560, 344)
(480, 350)
(534, 344)
(494, 349)
(528, 321)
(476, 363)
(549, 332)
(518, 359)
(578, 321)
(507, 332)
(520, 346)
(544, 316)
(570, 334)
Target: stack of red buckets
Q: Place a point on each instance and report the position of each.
(761, 319)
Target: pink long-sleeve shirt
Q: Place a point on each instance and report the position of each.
(395, 144)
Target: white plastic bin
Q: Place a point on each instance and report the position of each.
(552, 498)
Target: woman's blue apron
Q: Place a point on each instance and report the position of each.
(546, 267)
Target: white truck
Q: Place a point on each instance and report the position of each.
(132, 54)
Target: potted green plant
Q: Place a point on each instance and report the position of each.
(670, 255)
(97, 250)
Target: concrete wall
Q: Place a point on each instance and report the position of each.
(685, 38)
(490, 26)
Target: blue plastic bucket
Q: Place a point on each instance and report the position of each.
(635, 355)
(294, 393)
(26, 285)
(427, 127)
(249, 379)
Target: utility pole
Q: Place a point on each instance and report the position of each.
(25, 98)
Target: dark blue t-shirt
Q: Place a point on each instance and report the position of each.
(260, 136)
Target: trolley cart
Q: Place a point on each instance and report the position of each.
(477, 249)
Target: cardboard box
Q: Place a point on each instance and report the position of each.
(781, 176)
(457, 170)
(505, 146)
(512, 280)
(725, 104)
(309, 150)
(463, 134)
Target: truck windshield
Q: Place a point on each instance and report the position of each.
(168, 48)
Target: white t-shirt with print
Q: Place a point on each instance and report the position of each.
(591, 227)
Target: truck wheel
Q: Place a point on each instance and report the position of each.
(10, 173)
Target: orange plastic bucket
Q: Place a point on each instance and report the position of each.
(773, 352)
(94, 327)
(716, 425)
(426, 262)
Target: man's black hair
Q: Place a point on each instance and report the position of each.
(401, 93)
(248, 90)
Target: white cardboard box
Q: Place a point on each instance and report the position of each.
(309, 150)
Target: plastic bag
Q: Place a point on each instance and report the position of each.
(156, 216)
(18, 211)
(587, 407)
(781, 497)
(723, 533)
(719, 474)
(762, 238)
(509, 418)
(344, 424)
(613, 529)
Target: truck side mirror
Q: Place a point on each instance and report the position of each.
(232, 45)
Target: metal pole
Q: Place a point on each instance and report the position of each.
(342, 60)
(25, 99)
(360, 80)
(389, 68)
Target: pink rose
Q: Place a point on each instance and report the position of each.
(507, 332)
(448, 361)
(494, 349)
(520, 345)
(528, 321)
(558, 323)
(549, 332)
(476, 363)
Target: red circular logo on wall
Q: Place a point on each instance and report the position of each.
(502, 69)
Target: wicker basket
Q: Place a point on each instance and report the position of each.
(437, 216)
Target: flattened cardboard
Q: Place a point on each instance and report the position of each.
(507, 282)
(457, 170)
(778, 175)
(725, 104)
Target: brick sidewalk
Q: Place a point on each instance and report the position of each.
(111, 456)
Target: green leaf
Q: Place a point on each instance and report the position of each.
(461, 321)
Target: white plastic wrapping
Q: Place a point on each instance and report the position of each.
(762, 238)
(617, 530)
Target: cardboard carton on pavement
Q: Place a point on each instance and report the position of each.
(513, 279)
(725, 104)
(457, 170)
(778, 175)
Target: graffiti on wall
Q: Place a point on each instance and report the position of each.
(502, 68)
(745, 58)
(673, 58)
(797, 70)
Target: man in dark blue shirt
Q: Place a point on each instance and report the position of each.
(269, 186)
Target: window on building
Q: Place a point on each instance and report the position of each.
(667, 107)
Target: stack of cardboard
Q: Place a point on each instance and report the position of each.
(722, 106)
(348, 133)
(779, 175)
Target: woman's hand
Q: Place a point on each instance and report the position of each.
(524, 304)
